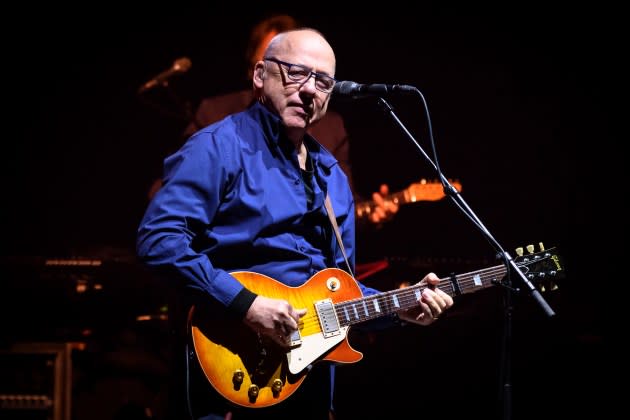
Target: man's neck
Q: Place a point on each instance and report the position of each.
(302, 155)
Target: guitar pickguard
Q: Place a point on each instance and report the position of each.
(311, 349)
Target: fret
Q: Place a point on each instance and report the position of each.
(345, 312)
(365, 309)
(377, 307)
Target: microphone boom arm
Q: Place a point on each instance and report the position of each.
(454, 195)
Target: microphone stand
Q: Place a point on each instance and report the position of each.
(512, 268)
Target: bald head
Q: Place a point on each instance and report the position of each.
(300, 41)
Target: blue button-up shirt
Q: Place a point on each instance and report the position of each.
(233, 199)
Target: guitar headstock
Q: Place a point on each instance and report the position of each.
(428, 190)
(541, 268)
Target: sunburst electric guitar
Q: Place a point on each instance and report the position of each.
(252, 371)
(418, 191)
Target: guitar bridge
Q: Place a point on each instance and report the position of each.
(327, 318)
(296, 338)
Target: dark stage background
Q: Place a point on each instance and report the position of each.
(523, 100)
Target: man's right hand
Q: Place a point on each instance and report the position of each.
(274, 318)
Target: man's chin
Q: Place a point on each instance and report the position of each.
(297, 122)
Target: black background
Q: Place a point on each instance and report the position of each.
(524, 103)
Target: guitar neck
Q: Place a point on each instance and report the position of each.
(375, 306)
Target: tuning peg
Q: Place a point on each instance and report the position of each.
(519, 251)
(530, 249)
(541, 246)
(553, 286)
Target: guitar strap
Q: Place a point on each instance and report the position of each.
(333, 222)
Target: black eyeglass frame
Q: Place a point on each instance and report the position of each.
(311, 73)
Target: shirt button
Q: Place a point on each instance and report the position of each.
(297, 181)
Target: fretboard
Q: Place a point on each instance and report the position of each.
(374, 306)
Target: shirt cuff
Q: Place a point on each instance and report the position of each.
(241, 303)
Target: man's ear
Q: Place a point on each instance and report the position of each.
(259, 74)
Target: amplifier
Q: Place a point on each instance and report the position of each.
(36, 381)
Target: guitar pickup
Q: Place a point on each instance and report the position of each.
(327, 318)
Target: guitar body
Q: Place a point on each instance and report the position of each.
(251, 370)
(227, 349)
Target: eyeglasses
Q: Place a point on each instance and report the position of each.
(301, 74)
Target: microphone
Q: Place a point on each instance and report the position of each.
(357, 90)
(181, 65)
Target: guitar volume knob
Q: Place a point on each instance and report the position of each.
(253, 391)
(276, 386)
(238, 376)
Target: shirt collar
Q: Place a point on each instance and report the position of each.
(273, 130)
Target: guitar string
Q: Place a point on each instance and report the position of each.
(405, 299)
(407, 296)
